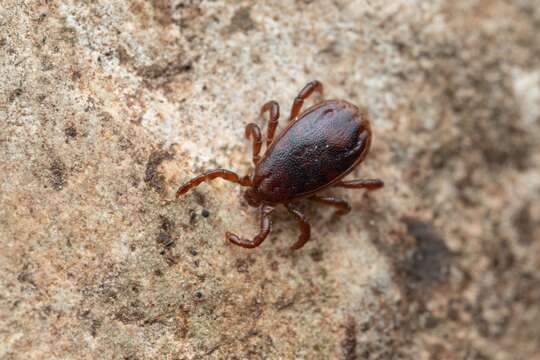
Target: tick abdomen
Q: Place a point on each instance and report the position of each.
(319, 148)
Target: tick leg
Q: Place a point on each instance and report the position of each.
(341, 205)
(266, 226)
(305, 229)
(368, 184)
(310, 88)
(211, 175)
(273, 108)
(253, 131)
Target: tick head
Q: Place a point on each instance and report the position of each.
(252, 197)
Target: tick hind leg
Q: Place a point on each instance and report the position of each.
(368, 184)
(273, 108)
(266, 226)
(210, 175)
(253, 131)
(307, 91)
(342, 207)
(305, 229)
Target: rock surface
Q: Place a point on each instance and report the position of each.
(106, 107)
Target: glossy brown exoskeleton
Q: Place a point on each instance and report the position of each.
(315, 151)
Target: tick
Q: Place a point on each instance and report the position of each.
(314, 152)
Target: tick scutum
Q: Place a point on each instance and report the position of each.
(317, 149)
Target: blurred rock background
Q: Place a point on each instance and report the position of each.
(107, 106)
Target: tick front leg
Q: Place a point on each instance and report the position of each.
(273, 108)
(310, 88)
(253, 131)
(368, 184)
(218, 173)
(266, 226)
(341, 205)
(305, 229)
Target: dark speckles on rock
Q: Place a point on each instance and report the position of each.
(186, 12)
(192, 217)
(170, 258)
(242, 266)
(94, 327)
(123, 55)
(152, 177)
(167, 70)
(429, 261)
(161, 73)
(57, 174)
(200, 199)
(523, 224)
(165, 233)
(162, 11)
(165, 239)
(129, 314)
(15, 94)
(349, 342)
(332, 50)
(166, 223)
(124, 143)
(70, 132)
(316, 255)
(241, 21)
(205, 213)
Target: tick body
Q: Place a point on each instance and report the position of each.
(316, 150)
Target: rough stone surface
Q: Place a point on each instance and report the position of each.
(107, 106)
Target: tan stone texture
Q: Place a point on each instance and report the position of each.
(106, 107)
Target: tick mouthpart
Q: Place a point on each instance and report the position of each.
(252, 197)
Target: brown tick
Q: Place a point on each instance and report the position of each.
(316, 150)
